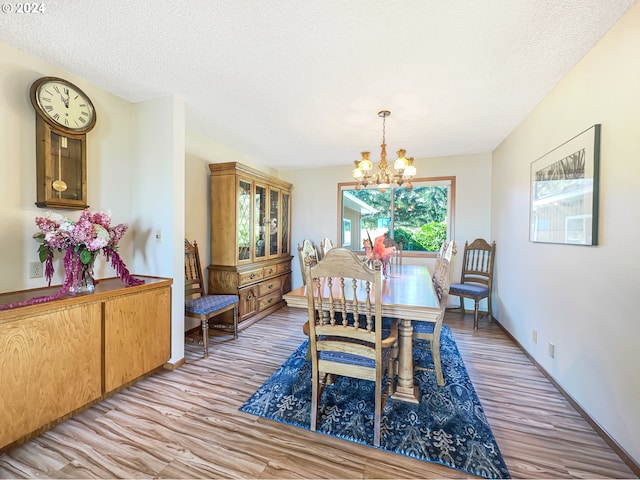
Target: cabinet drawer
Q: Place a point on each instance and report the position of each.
(269, 286)
(284, 267)
(268, 300)
(270, 271)
(251, 276)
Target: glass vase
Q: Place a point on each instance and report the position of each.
(82, 281)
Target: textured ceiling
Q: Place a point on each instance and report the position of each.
(296, 84)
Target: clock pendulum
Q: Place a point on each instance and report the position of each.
(60, 185)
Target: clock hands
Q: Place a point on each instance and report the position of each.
(62, 97)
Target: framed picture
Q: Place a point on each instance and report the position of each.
(564, 192)
(346, 232)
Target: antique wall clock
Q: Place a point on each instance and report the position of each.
(64, 115)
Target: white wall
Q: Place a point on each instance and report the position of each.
(315, 202)
(110, 154)
(580, 298)
(158, 192)
(135, 168)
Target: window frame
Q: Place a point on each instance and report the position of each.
(450, 181)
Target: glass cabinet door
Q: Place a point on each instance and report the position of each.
(284, 224)
(260, 221)
(244, 220)
(274, 219)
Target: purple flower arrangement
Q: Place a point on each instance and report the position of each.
(81, 241)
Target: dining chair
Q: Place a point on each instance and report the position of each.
(346, 333)
(476, 281)
(199, 305)
(430, 331)
(325, 246)
(307, 249)
(436, 267)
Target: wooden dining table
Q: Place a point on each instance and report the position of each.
(407, 294)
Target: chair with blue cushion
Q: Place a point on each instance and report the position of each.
(430, 331)
(325, 245)
(307, 250)
(199, 305)
(346, 332)
(477, 276)
(436, 268)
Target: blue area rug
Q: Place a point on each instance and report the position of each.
(448, 426)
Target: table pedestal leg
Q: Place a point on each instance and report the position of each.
(405, 389)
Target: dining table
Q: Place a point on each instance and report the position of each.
(407, 294)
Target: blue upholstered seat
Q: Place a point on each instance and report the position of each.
(469, 290)
(351, 359)
(209, 303)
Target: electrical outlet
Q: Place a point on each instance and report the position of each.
(552, 350)
(36, 270)
(534, 336)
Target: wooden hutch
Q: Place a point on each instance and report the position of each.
(250, 238)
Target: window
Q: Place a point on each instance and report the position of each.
(420, 218)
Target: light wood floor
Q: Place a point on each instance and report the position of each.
(186, 424)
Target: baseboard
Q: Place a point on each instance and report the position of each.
(175, 365)
(615, 446)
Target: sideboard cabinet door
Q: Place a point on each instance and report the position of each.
(137, 335)
(50, 365)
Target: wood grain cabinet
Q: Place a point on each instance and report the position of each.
(59, 357)
(250, 238)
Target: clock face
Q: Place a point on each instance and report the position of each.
(65, 104)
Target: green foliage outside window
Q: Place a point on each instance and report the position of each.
(431, 236)
(419, 216)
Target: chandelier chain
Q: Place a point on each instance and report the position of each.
(384, 129)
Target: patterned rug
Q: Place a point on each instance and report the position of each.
(448, 426)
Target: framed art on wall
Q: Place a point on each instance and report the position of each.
(564, 192)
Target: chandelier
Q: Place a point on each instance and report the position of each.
(384, 177)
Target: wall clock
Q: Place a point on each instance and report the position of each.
(64, 115)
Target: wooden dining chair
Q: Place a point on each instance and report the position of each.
(430, 331)
(436, 268)
(346, 334)
(199, 305)
(325, 246)
(476, 281)
(307, 249)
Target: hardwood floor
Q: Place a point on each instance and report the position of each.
(186, 424)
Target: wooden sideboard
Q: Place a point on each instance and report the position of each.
(59, 357)
(250, 239)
